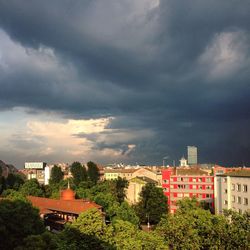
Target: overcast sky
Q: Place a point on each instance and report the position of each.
(128, 81)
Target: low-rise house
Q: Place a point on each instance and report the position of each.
(56, 213)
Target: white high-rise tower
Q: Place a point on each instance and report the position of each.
(192, 155)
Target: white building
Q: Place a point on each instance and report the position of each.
(232, 191)
(183, 162)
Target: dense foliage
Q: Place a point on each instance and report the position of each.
(56, 175)
(152, 204)
(92, 172)
(18, 219)
(192, 227)
(79, 173)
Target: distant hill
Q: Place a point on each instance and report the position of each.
(7, 169)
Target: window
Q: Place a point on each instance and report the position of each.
(207, 195)
(171, 186)
(233, 198)
(239, 200)
(186, 179)
(209, 187)
(179, 195)
(245, 201)
(166, 181)
(208, 179)
(233, 187)
(179, 179)
(225, 191)
(238, 187)
(245, 188)
(194, 179)
(200, 187)
(171, 179)
(200, 179)
(225, 202)
(186, 195)
(194, 186)
(225, 180)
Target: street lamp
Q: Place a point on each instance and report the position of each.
(148, 223)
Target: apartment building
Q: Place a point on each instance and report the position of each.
(113, 174)
(178, 183)
(232, 191)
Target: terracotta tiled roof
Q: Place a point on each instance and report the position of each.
(131, 170)
(191, 171)
(73, 206)
(240, 173)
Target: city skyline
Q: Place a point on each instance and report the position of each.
(124, 81)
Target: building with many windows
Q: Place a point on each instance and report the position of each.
(232, 191)
(192, 155)
(178, 183)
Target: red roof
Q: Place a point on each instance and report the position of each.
(68, 206)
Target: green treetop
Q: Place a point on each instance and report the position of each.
(56, 175)
(152, 204)
(79, 173)
(93, 172)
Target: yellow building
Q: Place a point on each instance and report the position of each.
(135, 187)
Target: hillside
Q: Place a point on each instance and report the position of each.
(7, 168)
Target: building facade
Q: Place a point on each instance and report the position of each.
(232, 191)
(37, 170)
(187, 183)
(135, 187)
(113, 174)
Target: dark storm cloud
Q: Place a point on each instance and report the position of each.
(180, 69)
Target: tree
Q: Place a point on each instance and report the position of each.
(1, 171)
(2, 184)
(79, 173)
(45, 241)
(72, 238)
(108, 203)
(126, 213)
(120, 186)
(152, 204)
(178, 232)
(193, 227)
(14, 195)
(14, 181)
(90, 222)
(18, 219)
(93, 229)
(56, 174)
(238, 230)
(31, 187)
(127, 236)
(93, 172)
